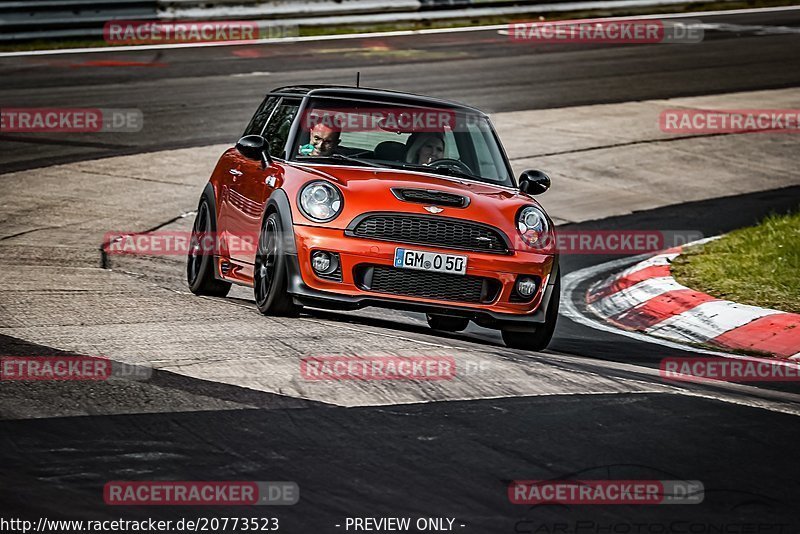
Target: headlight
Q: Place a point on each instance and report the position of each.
(533, 227)
(320, 201)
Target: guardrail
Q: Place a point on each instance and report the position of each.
(277, 9)
(78, 19)
(84, 19)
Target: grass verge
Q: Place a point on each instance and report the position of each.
(759, 265)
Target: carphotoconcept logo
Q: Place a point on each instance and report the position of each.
(70, 120)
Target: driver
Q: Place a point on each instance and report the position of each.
(324, 140)
(423, 148)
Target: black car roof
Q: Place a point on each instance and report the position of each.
(380, 95)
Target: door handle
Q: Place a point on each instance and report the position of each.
(235, 172)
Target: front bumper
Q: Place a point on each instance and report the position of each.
(310, 290)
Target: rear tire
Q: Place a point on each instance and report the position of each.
(200, 268)
(270, 276)
(539, 336)
(447, 323)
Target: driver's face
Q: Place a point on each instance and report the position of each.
(324, 139)
(431, 150)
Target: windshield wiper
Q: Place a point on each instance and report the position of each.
(447, 171)
(341, 157)
(453, 171)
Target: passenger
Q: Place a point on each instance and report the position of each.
(423, 148)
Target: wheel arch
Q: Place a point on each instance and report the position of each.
(208, 280)
(278, 202)
(210, 194)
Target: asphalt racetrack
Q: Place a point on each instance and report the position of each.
(226, 400)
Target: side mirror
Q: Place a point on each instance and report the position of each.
(534, 182)
(256, 148)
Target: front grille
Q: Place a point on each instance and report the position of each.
(431, 231)
(427, 196)
(429, 285)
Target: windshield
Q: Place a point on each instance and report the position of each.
(445, 141)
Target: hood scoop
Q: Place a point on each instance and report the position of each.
(431, 197)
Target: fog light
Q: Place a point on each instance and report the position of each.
(321, 262)
(526, 287)
(324, 263)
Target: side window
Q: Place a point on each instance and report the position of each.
(280, 124)
(259, 120)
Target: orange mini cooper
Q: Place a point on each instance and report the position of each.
(360, 197)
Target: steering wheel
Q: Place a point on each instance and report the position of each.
(451, 163)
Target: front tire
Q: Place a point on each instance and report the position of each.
(200, 273)
(447, 323)
(538, 337)
(270, 276)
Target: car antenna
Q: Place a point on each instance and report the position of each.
(358, 79)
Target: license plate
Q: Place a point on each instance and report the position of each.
(430, 261)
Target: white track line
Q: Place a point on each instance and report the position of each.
(656, 261)
(628, 298)
(398, 33)
(571, 281)
(772, 400)
(708, 320)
